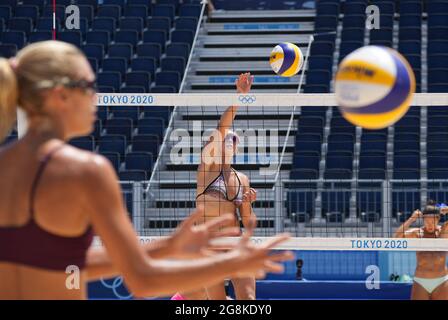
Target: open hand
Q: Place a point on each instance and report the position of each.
(244, 82)
(250, 196)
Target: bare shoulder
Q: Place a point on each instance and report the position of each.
(414, 233)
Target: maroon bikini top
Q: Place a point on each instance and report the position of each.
(33, 246)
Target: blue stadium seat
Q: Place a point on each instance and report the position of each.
(329, 9)
(120, 3)
(37, 36)
(85, 143)
(308, 142)
(93, 3)
(86, 12)
(156, 112)
(406, 141)
(436, 7)
(38, 3)
(120, 126)
(190, 10)
(98, 37)
(113, 157)
(405, 202)
(438, 33)
(339, 124)
(409, 124)
(13, 37)
(97, 130)
(121, 50)
(352, 34)
(95, 51)
(313, 125)
(357, 8)
(168, 78)
(410, 21)
(300, 204)
(437, 141)
(436, 124)
(106, 89)
(178, 50)
(46, 24)
(109, 11)
(386, 21)
(354, 21)
(410, 33)
(163, 10)
(133, 89)
(373, 142)
(410, 47)
(386, 7)
(146, 64)
(174, 3)
(139, 161)
(406, 165)
(340, 142)
(437, 75)
(155, 126)
(5, 12)
(155, 36)
(372, 165)
(173, 64)
(139, 78)
(438, 166)
(369, 205)
(132, 23)
(132, 175)
(318, 77)
(146, 143)
(127, 36)
(104, 24)
(159, 23)
(153, 50)
(112, 143)
(115, 64)
(109, 79)
(127, 112)
(138, 11)
(348, 47)
(322, 48)
(102, 113)
(338, 165)
(73, 37)
(10, 3)
(184, 36)
(320, 62)
(20, 24)
(325, 22)
(186, 23)
(163, 89)
(305, 166)
(25, 11)
(8, 50)
(380, 36)
(437, 20)
(415, 60)
(60, 12)
(411, 8)
(83, 26)
(438, 87)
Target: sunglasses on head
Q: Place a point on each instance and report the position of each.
(68, 83)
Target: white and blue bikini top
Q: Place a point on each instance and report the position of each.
(219, 185)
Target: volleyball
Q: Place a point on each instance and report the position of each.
(374, 87)
(286, 59)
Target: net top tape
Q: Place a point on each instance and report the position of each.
(336, 244)
(260, 100)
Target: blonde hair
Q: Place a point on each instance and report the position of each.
(20, 78)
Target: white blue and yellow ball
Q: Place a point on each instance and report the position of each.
(374, 87)
(286, 59)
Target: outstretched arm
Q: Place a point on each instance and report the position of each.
(404, 230)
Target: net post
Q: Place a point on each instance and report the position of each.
(137, 206)
(278, 205)
(387, 208)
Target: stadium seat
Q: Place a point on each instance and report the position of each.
(85, 143)
(308, 142)
(184, 36)
(410, 33)
(320, 62)
(113, 157)
(131, 23)
(5, 12)
(8, 50)
(348, 47)
(104, 24)
(139, 11)
(168, 78)
(437, 47)
(132, 89)
(154, 126)
(354, 8)
(406, 165)
(338, 165)
(110, 79)
(163, 89)
(25, 11)
(146, 64)
(60, 12)
(352, 34)
(127, 36)
(132, 175)
(177, 50)
(109, 11)
(334, 202)
(113, 143)
(86, 12)
(94, 64)
(381, 36)
(190, 10)
(121, 50)
(438, 33)
(354, 21)
(146, 143)
(155, 36)
(139, 78)
(98, 37)
(159, 23)
(173, 64)
(329, 9)
(119, 3)
(37, 36)
(95, 51)
(410, 21)
(410, 8)
(13, 37)
(152, 50)
(120, 126)
(24, 25)
(322, 48)
(325, 22)
(437, 7)
(73, 37)
(186, 23)
(46, 24)
(139, 161)
(115, 64)
(162, 10)
(410, 47)
(38, 3)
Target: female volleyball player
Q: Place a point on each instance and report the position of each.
(431, 274)
(53, 195)
(221, 189)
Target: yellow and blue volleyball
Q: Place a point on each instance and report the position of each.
(286, 59)
(374, 87)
